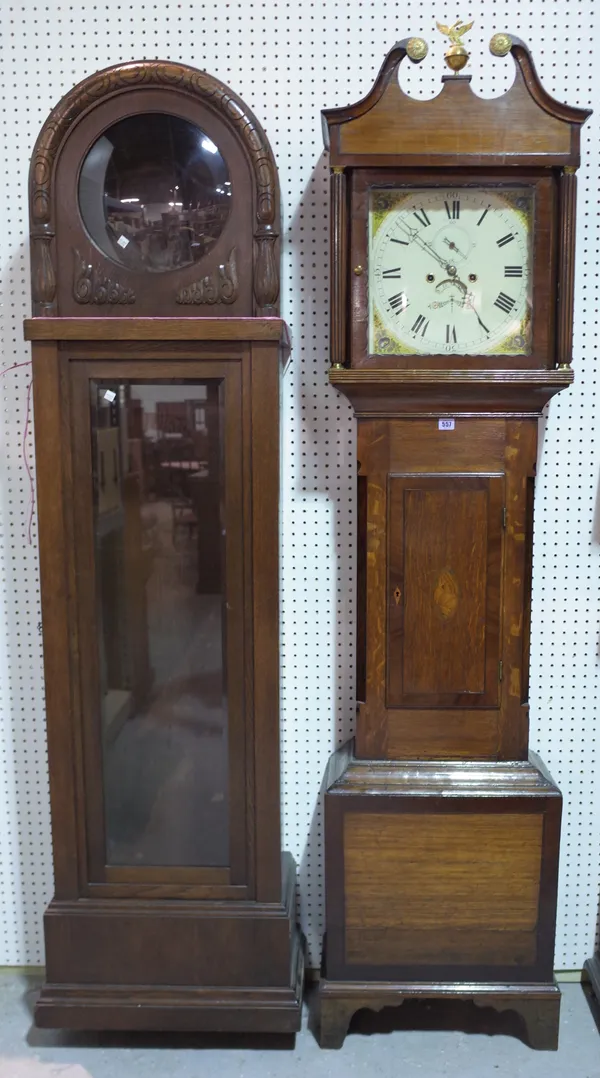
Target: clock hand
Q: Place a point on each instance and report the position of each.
(414, 236)
(468, 302)
(427, 247)
(453, 247)
(483, 326)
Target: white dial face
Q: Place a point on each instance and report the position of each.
(450, 270)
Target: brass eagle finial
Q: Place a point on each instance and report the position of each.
(456, 55)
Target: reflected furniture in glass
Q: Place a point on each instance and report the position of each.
(154, 192)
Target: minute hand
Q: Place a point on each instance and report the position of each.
(413, 235)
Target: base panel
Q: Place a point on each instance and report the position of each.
(212, 966)
(176, 1008)
(538, 1005)
(440, 873)
(214, 1010)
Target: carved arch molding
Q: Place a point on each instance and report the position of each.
(142, 75)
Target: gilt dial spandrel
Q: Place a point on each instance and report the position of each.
(450, 271)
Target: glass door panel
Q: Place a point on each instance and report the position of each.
(158, 535)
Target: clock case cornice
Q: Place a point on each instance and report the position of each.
(395, 138)
(525, 126)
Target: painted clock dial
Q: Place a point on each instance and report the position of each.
(450, 270)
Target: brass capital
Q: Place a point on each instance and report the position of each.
(417, 49)
(501, 44)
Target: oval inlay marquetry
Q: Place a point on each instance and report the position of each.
(445, 594)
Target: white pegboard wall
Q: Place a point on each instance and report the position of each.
(288, 61)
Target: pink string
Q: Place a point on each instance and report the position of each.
(13, 367)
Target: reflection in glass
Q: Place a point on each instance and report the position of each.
(154, 192)
(158, 490)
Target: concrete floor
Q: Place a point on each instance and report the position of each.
(425, 1053)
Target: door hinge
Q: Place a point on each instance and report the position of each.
(500, 670)
(504, 516)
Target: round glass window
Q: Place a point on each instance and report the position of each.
(154, 192)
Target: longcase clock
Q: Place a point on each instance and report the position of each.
(453, 224)
(157, 354)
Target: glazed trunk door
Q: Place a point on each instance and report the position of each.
(158, 501)
(444, 584)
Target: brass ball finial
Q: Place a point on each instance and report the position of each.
(456, 55)
(500, 45)
(417, 49)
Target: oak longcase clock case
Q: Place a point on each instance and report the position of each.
(453, 224)
(157, 354)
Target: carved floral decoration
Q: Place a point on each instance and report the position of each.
(220, 286)
(91, 286)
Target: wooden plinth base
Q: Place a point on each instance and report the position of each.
(214, 966)
(212, 1010)
(538, 1005)
(177, 1008)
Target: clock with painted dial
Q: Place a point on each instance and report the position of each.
(451, 295)
(450, 270)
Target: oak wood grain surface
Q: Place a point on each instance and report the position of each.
(445, 556)
(156, 329)
(442, 871)
(406, 628)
